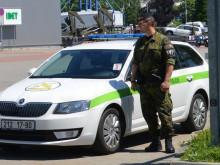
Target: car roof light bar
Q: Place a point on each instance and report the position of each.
(115, 36)
(129, 37)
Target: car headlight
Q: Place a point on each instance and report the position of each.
(72, 107)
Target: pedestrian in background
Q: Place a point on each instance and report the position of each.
(154, 58)
(192, 34)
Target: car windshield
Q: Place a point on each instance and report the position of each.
(92, 64)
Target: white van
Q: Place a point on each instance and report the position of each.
(198, 23)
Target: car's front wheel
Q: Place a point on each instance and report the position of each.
(197, 115)
(109, 132)
(169, 33)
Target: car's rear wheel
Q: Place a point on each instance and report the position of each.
(206, 44)
(197, 115)
(109, 132)
(197, 44)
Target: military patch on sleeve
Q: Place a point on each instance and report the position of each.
(172, 52)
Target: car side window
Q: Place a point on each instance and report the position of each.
(181, 27)
(188, 28)
(186, 57)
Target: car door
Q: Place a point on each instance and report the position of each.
(187, 30)
(134, 100)
(179, 30)
(198, 30)
(188, 64)
(136, 117)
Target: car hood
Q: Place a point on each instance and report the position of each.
(56, 90)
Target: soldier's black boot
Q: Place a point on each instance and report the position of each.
(168, 145)
(154, 146)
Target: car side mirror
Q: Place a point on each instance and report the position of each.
(31, 71)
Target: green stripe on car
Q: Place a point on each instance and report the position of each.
(111, 96)
(127, 91)
(183, 79)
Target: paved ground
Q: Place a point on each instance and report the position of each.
(14, 65)
(131, 153)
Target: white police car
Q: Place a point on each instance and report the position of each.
(82, 96)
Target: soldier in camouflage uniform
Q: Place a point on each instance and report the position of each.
(154, 56)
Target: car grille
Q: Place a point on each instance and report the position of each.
(36, 135)
(28, 110)
(27, 135)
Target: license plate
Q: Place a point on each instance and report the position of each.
(17, 125)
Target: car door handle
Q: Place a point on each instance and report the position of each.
(189, 78)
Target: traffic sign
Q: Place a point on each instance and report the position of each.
(2, 11)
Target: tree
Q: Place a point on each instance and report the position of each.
(189, 6)
(164, 11)
(196, 10)
(131, 9)
(201, 10)
(72, 6)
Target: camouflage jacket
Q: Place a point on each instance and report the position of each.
(153, 55)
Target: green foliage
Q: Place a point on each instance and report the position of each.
(190, 10)
(175, 23)
(71, 6)
(201, 10)
(164, 11)
(131, 9)
(200, 149)
(196, 10)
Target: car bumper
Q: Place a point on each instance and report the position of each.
(62, 130)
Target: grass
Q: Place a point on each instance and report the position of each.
(200, 149)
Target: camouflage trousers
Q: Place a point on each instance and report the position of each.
(153, 102)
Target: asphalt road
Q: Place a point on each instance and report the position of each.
(14, 65)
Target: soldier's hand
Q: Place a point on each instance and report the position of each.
(165, 86)
(133, 86)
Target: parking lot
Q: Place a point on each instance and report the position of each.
(14, 65)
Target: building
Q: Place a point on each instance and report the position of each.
(28, 23)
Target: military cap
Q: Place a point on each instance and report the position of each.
(145, 16)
